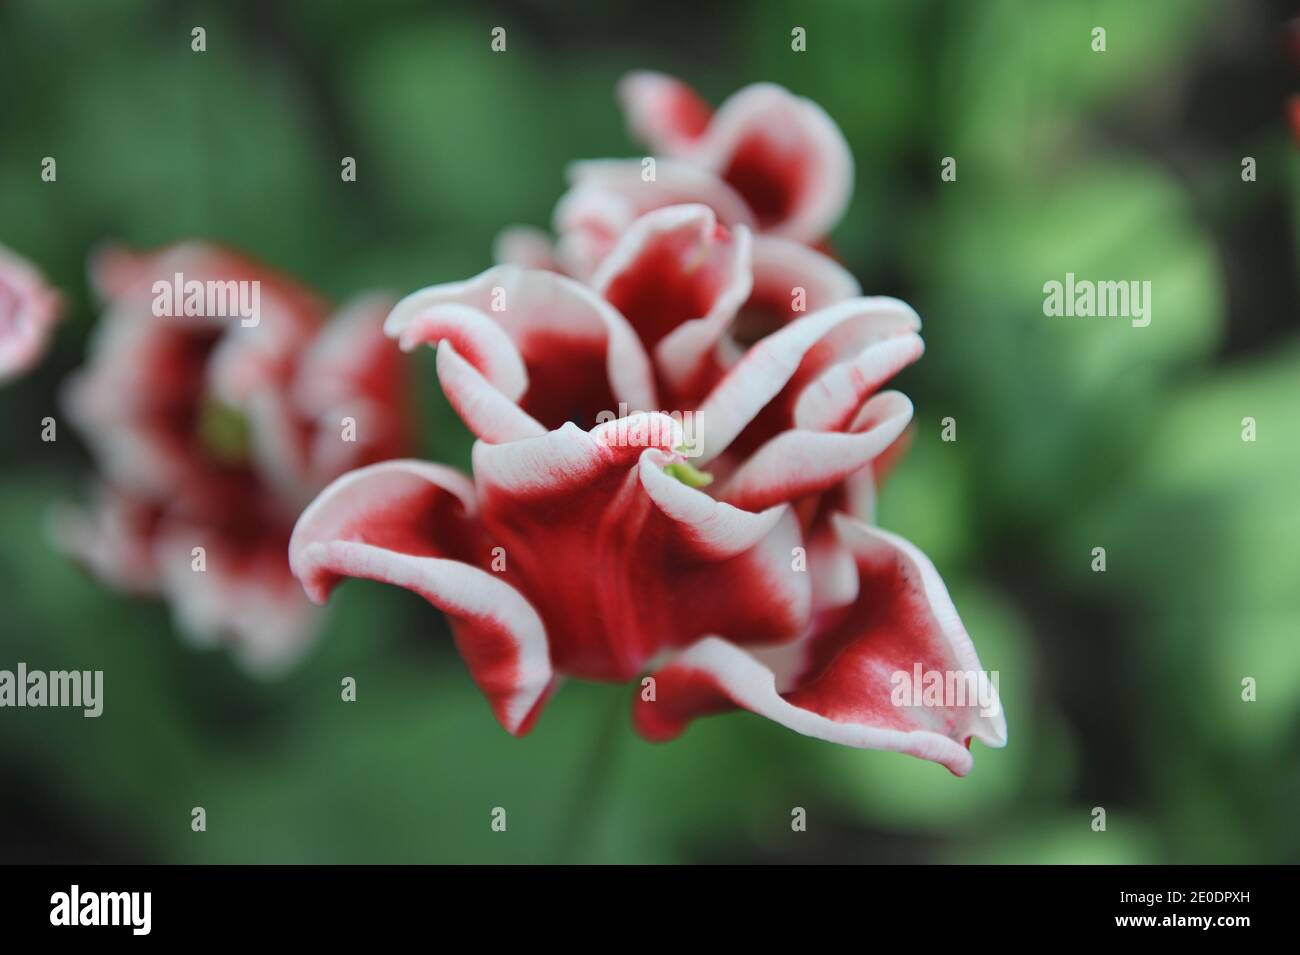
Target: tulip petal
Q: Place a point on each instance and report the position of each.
(608, 195)
(675, 183)
(717, 529)
(679, 278)
(832, 401)
(567, 456)
(783, 262)
(112, 268)
(486, 411)
(839, 684)
(621, 559)
(800, 462)
(785, 156)
(412, 507)
(415, 525)
(662, 112)
(352, 371)
(478, 339)
(133, 399)
(480, 369)
(783, 268)
(578, 352)
(802, 349)
(831, 566)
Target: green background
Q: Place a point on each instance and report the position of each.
(1122, 689)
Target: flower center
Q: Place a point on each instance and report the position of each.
(223, 431)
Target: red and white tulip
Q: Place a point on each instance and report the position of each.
(213, 433)
(589, 542)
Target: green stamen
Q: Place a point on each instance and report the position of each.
(223, 431)
(688, 475)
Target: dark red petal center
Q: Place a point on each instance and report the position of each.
(770, 176)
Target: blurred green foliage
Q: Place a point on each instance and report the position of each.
(1123, 689)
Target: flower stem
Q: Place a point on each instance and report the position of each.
(594, 782)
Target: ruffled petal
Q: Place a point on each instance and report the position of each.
(713, 529)
(623, 560)
(662, 112)
(352, 371)
(790, 281)
(836, 397)
(350, 356)
(480, 369)
(831, 565)
(412, 507)
(133, 400)
(679, 278)
(785, 156)
(563, 461)
(848, 681)
(142, 396)
(800, 462)
(475, 337)
(578, 353)
(788, 359)
(489, 414)
(415, 525)
(608, 195)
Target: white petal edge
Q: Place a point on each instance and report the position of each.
(784, 262)
(768, 366)
(832, 175)
(488, 413)
(751, 685)
(532, 300)
(862, 539)
(800, 462)
(568, 457)
(360, 491)
(835, 397)
(457, 589)
(679, 354)
(717, 528)
(646, 97)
